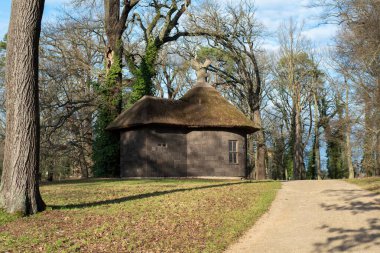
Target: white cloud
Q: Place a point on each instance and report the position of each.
(321, 34)
(273, 13)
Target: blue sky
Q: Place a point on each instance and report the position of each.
(270, 12)
(51, 9)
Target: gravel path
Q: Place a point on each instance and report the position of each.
(316, 216)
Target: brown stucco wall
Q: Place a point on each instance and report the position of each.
(168, 161)
(184, 153)
(133, 153)
(207, 153)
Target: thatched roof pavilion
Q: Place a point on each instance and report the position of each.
(201, 106)
(201, 134)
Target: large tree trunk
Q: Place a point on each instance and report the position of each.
(106, 151)
(298, 163)
(114, 28)
(19, 190)
(376, 171)
(367, 162)
(251, 157)
(261, 149)
(377, 122)
(283, 155)
(317, 152)
(348, 152)
(351, 172)
(86, 148)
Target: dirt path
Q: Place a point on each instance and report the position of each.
(317, 216)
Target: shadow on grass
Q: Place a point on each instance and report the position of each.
(142, 196)
(345, 239)
(85, 181)
(134, 180)
(80, 181)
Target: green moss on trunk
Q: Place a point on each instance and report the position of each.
(144, 73)
(106, 148)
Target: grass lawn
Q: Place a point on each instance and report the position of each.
(139, 216)
(370, 183)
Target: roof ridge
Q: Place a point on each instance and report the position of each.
(202, 84)
(158, 98)
(201, 106)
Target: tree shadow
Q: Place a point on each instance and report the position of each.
(81, 181)
(343, 239)
(350, 194)
(356, 201)
(142, 196)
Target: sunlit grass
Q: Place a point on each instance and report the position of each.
(370, 183)
(139, 216)
(5, 218)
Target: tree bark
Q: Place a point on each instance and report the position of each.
(114, 48)
(351, 171)
(317, 152)
(348, 155)
(283, 158)
(298, 162)
(19, 189)
(368, 135)
(251, 155)
(377, 167)
(260, 167)
(106, 152)
(377, 122)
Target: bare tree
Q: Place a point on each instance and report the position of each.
(357, 50)
(19, 190)
(293, 78)
(348, 148)
(316, 93)
(234, 43)
(173, 75)
(106, 153)
(71, 59)
(115, 25)
(158, 29)
(3, 46)
(153, 24)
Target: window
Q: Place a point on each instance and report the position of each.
(164, 145)
(232, 151)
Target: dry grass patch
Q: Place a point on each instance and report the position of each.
(370, 183)
(139, 216)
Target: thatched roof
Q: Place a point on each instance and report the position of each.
(201, 106)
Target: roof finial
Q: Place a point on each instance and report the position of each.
(201, 69)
